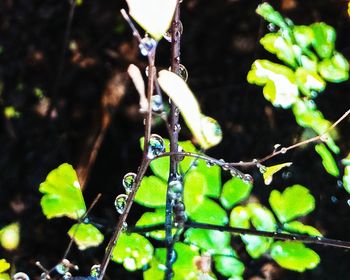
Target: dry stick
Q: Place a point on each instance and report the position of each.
(174, 138)
(275, 235)
(145, 160)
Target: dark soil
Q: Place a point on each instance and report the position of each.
(220, 42)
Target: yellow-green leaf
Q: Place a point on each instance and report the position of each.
(309, 82)
(154, 16)
(327, 160)
(85, 235)
(9, 236)
(205, 129)
(4, 265)
(272, 170)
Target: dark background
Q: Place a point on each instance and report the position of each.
(86, 85)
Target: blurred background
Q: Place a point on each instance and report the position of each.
(65, 97)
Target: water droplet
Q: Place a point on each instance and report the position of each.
(173, 257)
(176, 186)
(180, 157)
(95, 270)
(147, 45)
(181, 72)
(262, 168)
(283, 150)
(177, 127)
(157, 103)
(314, 93)
(156, 146)
(124, 227)
(276, 147)
(334, 199)
(234, 172)
(67, 275)
(62, 267)
(348, 202)
(248, 179)
(128, 181)
(167, 35)
(21, 276)
(43, 276)
(271, 27)
(210, 163)
(211, 130)
(319, 238)
(120, 202)
(339, 183)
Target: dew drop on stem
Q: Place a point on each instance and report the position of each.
(67, 276)
(157, 103)
(147, 45)
(179, 157)
(120, 203)
(209, 163)
(95, 270)
(21, 276)
(62, 267)
(128, 181)
(248, 179)
(167, 35)
(176, 186)
(271, 27)
(156, 146)
(262, 168)
(181, 72)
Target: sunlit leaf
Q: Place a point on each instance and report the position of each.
(152, 192)
(194, 191)
(346, 161)
(294, 202)
(346, 179)
(307, 115)
(256, 245)
(324, 39)
(136, 76)
(303, 35)
(240, 217)
(294, 255)
(276, 44)
(212, 241)
(9, 236)
(270, 15)
(272, 170)
(4, 265)
(334, 69)
(133, 251)
(234, 191)
(228, 266)
(261, 217)
(85, 236)
(308, 63)
(154, 218)
(300, 228)
(209, 212)
(62, 194)
(205, 129)
(328, 160)
(153, 15)
(309, 82)
(278, 80)
(184, 267)
(11, 113)
(213, 178)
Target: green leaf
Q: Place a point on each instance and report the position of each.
(132, 250)
(240, 217)
(256, 245)
(85, 236)
(309, 82)
(278, 80)
(269, 14)
(205, 129)
(324, 39)
(272, 170)
(213, 178)
(261, 217)
(154, 218)
(184, 267)
(294, 255)
(346, 161)
(4, 265)
(154, 16)
(308, 63)
(152, 192)
(328, 160)
(228, 266)
(346, 179)
(307, 115)
(209, 212)
(62, 194)
(303, 35)
(9, 236)
(234, 191)
(334, 69)
(294, 202)
(194, 191)
(276, 44)
(300, 228)
(212, 241)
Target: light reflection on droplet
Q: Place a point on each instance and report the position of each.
(120, 203)
(20, 276)
(147, 45)
(128, 181)
(156, 146)
(95, 270)
(181, 72)
(157, 103)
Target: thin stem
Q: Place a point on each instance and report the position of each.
(145, 160)
(174, 138)
(275, 235)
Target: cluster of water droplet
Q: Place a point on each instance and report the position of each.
(246, 178)
(176, 194)
(121, 199)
